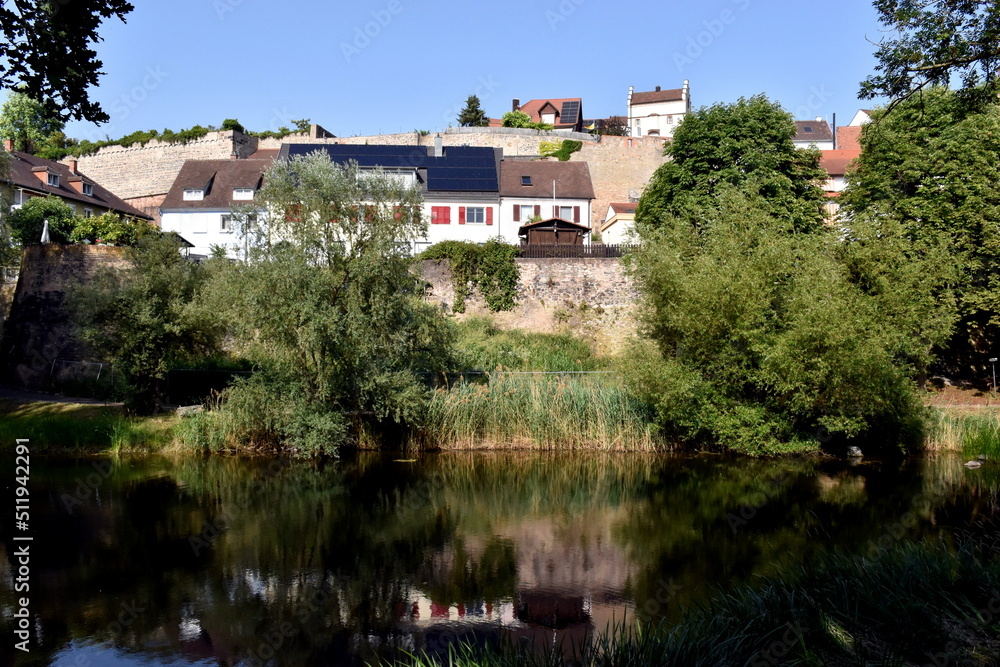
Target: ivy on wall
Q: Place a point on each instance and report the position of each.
(490, 267)
(560, 149)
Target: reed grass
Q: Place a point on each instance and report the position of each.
(516, 411)
(913, 604)
(973, 433)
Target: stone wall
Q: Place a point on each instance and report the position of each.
(592, 298)
(37, 331)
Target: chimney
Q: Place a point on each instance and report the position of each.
(515, 104)
(439, 145)
(8, 145)
(657, 89)
(72, 165)
(76, 183)
(42, 173)
(819, 119)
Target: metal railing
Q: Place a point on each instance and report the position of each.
(594, 250)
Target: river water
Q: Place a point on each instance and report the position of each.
(226, 561)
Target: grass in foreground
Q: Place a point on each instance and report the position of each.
(539, 411)
(82, 426)
(911, 605)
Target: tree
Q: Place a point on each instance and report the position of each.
(350, 332)
(935, 41)
(143, 318)
(614, 126)
(28, 122)
(46, 48)
(27, 222)
(765, 339)
(930, 167)
(472, 115)
(515, 119)
(747, 145)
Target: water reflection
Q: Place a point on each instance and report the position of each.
(227, 561)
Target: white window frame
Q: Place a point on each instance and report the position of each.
(88, 212)
(53, 179)
(480, 213)
(192, 194)
(527, 212)
(88, 189)
(243, 194)
(568, 217)
(226, 223)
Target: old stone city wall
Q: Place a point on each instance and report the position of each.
(142, 174)
(594, 299)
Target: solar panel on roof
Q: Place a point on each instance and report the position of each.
(570, 112)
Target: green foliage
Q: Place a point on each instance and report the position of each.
(87, 427)
(614, 126)
(747, 145)
(490, 267)
(765, 342)
(46, 49)
(142, 317)
(934, 44)
(472, 115)
(28, 122)
(929, 168)
(27, 222)
(86, 147)
(560, 149)
(110, 229)
(233, 124)
(481, 345)
(350, 334)
(521, 119)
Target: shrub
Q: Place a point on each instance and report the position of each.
(490, 267)
(26, 223)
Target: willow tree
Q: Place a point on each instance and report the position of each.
(327, 307)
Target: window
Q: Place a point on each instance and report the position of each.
(88, 189)
(226, 223)
(475, 214)
(526, 180)
(549, 118)
(194, 195)
(566, 212)
(242, 194)
(88, 212)
(527, 212)
(54, 180)
(807, 128)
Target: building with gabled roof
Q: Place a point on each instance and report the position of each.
(30, 176)
(657, 112)
(543, 189)
(813, 134)
(564, 113)
(618, 223)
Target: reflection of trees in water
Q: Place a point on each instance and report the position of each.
(312, 562)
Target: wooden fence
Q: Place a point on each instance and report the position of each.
(595, 250)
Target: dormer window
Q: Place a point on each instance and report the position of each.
(88, 189)
(807, 128)
(53, 180)
(194, 195)
(242, 194)
(526, 180)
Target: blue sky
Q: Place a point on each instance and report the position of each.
(375, 66)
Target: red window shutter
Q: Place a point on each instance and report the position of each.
(576, 214)
(461, 215)
(538, 210)
(434, 215)
(489, 215)
(446, 215)
(517, 213)
(555, 211)
(397, 213)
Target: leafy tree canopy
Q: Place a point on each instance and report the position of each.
(27, 222)
(47, 49)
(931, 166)
(747, 145)
(473, 115)
(935, 42)
(27, 122)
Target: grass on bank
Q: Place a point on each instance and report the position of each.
(515, 410)
(972, 432)
(909, 605)
(62, 426)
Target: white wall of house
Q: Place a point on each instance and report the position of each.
(548, 208)
(204, 229)
(821, 145)
(660, 117)
(482, 222)
(617, 228)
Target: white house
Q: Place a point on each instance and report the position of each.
(543, 189)
(813, 134)
(657, 112)
(199, 204)
(862, 117)
(618, 223)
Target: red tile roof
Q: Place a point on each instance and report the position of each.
(623, 207)
(836, 163)
(848, 137)
(818, 130)
(572, 179)
(534, 108)
(25, 166)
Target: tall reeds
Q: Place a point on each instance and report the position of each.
(539, 411)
